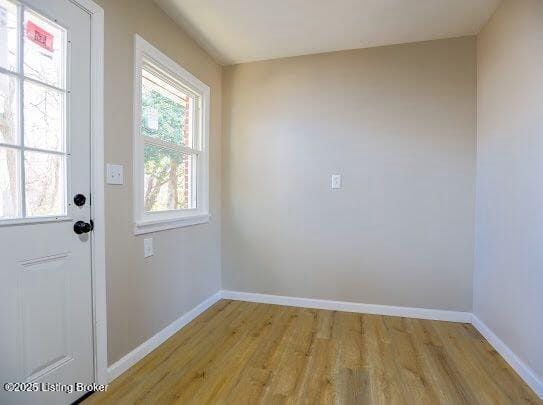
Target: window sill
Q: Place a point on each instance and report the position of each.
(156, 225)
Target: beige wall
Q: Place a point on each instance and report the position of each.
(144, 296)
(399, 123)
(508, 288)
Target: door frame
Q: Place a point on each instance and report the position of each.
(98, 254)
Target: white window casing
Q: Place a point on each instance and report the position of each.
(168, 71)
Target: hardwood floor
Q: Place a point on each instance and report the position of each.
(246, 353)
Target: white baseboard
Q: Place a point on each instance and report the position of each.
(522, 369)
(120, 366)
(420, 313)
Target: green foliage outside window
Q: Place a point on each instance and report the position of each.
(164, 166)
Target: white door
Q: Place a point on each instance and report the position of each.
(46, 333)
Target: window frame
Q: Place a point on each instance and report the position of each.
(145, 222)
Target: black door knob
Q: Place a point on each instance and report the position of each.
(83, 227)
(79, 200)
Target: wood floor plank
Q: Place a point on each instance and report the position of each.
(351, 365)
(247, 353)
(228, 368)
(256, 375)
(492, 364)
(451, 387)
(467, 365)
(197, 369)
(294, 355)
(409, 361)
(386, 384)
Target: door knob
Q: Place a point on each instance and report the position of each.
(79, 200)
(83, 227)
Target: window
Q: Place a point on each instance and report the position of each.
(33, 103)
(171, 145)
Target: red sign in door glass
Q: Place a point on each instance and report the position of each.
(39, 36)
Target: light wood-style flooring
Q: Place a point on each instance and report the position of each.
(247, 353)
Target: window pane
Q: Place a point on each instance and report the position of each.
(44, 184)
(166, 111)
(8, 35)
(9, 105)
(168, 180)
(9, 183)
(43, 117)
(44, 49)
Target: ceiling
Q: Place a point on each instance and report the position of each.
(236, 31)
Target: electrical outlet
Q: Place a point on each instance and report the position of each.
(336, 181)
(148, 247)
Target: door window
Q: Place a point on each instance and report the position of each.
(33, 102)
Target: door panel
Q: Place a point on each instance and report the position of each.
(45, 268)
(44, 286)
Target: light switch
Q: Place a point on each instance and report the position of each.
(336, 181)
(114, 174)
(148, 247)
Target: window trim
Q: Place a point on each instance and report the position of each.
(152, 222)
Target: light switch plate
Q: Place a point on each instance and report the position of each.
(148, 247)
(336, 181)
(114, 174)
